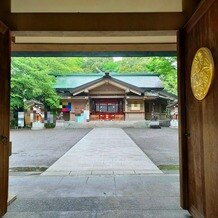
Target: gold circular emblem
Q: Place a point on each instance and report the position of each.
(202, 73)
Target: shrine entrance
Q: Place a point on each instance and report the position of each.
(107, 109)
(198, 118)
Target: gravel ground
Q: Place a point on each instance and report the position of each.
(42, 148)
(161, 145)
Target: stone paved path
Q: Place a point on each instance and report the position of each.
(103, 151)
(98, 189)
(93, 196)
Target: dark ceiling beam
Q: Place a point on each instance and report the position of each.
(94, 54)
(189, 6)
(95, 22)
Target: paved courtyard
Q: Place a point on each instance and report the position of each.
(104, 151)
(161, 145)
(105, 196)
(112, 188)
(42, 148)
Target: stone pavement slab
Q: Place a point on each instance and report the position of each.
(104, 151)
(121, 196)
(104, 214)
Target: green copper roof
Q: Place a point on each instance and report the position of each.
(73, 81)
(138, 80)
(141, 81)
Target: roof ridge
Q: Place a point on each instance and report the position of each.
(111, 74)
(78, 74)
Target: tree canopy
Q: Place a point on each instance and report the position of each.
(32, 77)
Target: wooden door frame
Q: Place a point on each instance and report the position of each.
(183, 131)
(5, 71)
(182, 121)
(183, 150)
(5, 64)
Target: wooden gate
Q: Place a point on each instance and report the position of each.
(4, 114)
(199, 118)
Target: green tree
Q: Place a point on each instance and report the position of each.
(31, 80)
(99, 64)
(132, 65)
(166, 68)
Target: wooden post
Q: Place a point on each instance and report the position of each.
(4, 114)
(182, 121)
(126, 107)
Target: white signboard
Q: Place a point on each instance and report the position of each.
(86, 114)
(20, 119)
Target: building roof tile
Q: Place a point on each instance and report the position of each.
(145, 81)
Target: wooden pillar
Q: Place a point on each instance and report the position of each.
(4, 114)
(88, 104)
(126, 107)
(183, 151)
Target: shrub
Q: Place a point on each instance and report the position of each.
(49, 125)
(13, 123)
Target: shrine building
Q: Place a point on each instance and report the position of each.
(107, 96)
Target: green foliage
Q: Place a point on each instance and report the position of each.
(13, 123)
(126, 65)
(32, 78)
(168, 167)
(49, 125)
(132, 65)
(166, 68)
(92, 65)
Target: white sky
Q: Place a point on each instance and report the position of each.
(117, 58)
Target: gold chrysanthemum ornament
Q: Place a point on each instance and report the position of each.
(202, 73)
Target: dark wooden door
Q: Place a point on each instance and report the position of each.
(199, 119)
(4, 114)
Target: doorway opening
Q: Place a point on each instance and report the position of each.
(129, 160)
